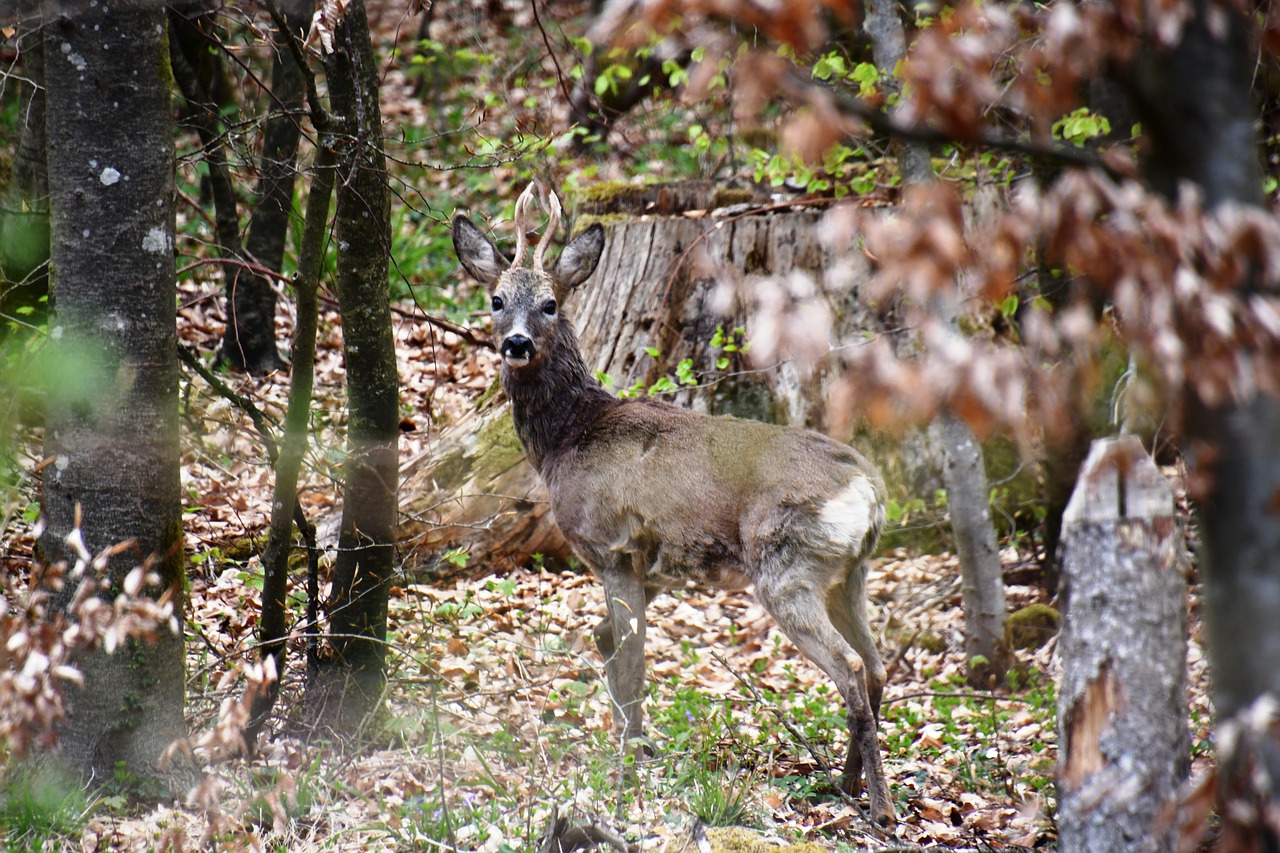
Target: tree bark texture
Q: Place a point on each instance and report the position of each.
(249, 342)
(112, 425)
(349, 688)
(666, 282)
(986, 640)
(987, 653)
(1122, 701)
(1196, 102)
(273, 629)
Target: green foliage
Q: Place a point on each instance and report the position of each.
(457, 557)
(39, 805)
(1080, 126)
(716, 797)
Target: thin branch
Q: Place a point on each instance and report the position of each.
(564, 89)
(320, 117)
(262, 422)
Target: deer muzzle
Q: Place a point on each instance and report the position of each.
(517, 350)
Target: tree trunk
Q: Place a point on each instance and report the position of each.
(350, 685)
(24, 218)
(987, 654)
(1196, 104)
(273, 629)
(986, 642)
(249, 341)
(658, 285)
(1122, 703)
(112, 425)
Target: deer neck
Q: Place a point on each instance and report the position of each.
(556, 399)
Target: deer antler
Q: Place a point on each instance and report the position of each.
(553, 223)
(524, 222)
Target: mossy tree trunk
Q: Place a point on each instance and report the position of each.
(350, 683)
(112, 424)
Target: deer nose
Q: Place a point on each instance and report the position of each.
(517, 350)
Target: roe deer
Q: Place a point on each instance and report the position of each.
(651, 496)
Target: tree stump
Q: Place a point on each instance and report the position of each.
(665, 285)
(1122, 702)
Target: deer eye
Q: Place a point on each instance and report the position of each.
(497, 303)
(549, 308)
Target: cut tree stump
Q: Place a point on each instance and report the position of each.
(1122, 702)
(664, 284)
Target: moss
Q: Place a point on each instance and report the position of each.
(729, 196)
(246, 547)
(6, 170)
(586, 220)
(931, 642)
(1032, 626)
(490, 393)
(606, 191)
(496, 444)
(736, 839)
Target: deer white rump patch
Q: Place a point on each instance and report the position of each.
(848, 516)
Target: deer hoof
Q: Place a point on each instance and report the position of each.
(883, 815)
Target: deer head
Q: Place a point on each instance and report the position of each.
(526, 300)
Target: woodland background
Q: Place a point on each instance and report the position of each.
(1096, 254)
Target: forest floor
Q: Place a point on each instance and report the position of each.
(496, 717)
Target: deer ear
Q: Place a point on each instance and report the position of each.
(476, 253)
(578, 260)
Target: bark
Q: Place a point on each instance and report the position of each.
(249, 341)
(987, 653)
(112, 424)
(1122, 703)
(293, 447)
(658, 285)
(986, 639)
(1196, 104)
(199, 76)
(24, 216)
(350, 685)
(883, 26)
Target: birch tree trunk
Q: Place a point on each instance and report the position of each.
(1122, 702)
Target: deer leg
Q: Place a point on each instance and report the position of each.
(847, 606)
(603, 632)
(621, 640)
(795, 599)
